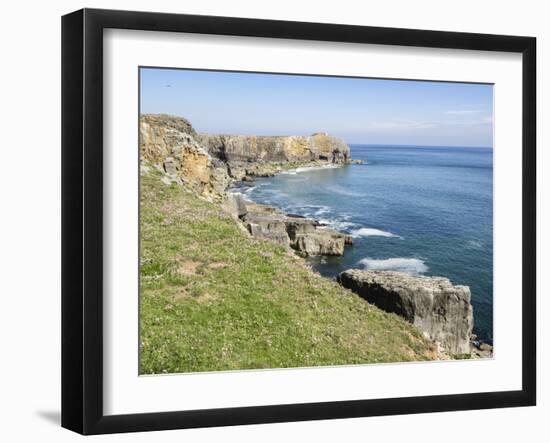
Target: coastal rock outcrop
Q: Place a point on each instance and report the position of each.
(305, 235)
(441, 310)
(171, 143)
(321, 242)
(211, 163)
(243, 149)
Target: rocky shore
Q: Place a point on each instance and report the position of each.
(441, 310)
(212, 164)
(306, 236)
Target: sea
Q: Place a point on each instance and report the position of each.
(416, 209)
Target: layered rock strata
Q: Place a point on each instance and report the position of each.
(306, 236)
(211, 163)
(265, 149)
(441, 310)
(264, 156)
(171, 143)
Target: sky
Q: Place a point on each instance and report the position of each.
(359, 110)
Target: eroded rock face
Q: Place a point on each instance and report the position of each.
(302, 234)
(321, 242)
(441, 310)
(210, 163)
(241, 149)
(171, 142)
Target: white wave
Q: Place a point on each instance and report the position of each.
(408, 265)
(310, 168)
(339, 225)
(372, 232)
(312, 211)
(322, 210)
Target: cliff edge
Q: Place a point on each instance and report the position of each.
(245, 149)
(210, 163)
(441, 310)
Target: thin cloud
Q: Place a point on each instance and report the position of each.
(400, 125)
(487, 120)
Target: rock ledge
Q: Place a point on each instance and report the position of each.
(441, 310)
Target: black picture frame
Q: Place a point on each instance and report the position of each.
(82, 218)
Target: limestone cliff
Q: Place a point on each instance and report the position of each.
(171, 143)
(441, 310)
(211, 162)
(264, 149)
(306, 236)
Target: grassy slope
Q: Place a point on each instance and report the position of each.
(214, 299)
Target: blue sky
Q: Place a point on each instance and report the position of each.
(370, 111)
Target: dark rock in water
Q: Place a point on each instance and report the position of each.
(441, 310)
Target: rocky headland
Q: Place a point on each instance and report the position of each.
(211, 164)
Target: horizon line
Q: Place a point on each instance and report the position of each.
(421, 146)
(309, 135)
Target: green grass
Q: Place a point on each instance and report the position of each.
(212, 298)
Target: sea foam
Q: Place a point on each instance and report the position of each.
(310, 168)
(371, 232)
(338, 224)
(408, 265)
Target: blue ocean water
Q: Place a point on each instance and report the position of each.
(423, 210)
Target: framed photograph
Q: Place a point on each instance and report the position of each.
(268, 221)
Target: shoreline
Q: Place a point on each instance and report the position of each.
(307, 236)
(210, 165)
(479, 347)
(237, 303)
